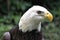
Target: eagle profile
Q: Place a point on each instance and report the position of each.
(29, 27)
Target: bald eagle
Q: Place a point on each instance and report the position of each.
(29, 27)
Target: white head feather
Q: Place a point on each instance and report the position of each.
(31, 19)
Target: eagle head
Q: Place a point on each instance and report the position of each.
(33, 17)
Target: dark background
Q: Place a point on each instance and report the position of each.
(12, 10)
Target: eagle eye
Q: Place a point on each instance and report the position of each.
(39, 12)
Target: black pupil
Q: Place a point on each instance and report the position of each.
(39, 12)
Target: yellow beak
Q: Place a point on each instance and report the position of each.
(49, 16)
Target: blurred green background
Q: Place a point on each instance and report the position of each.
(12, 10)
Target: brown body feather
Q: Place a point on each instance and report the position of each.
(17, 34)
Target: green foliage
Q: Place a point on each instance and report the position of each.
(51, 32)
(18, 6)
(4, 28)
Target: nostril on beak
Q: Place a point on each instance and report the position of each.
(47, 13)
